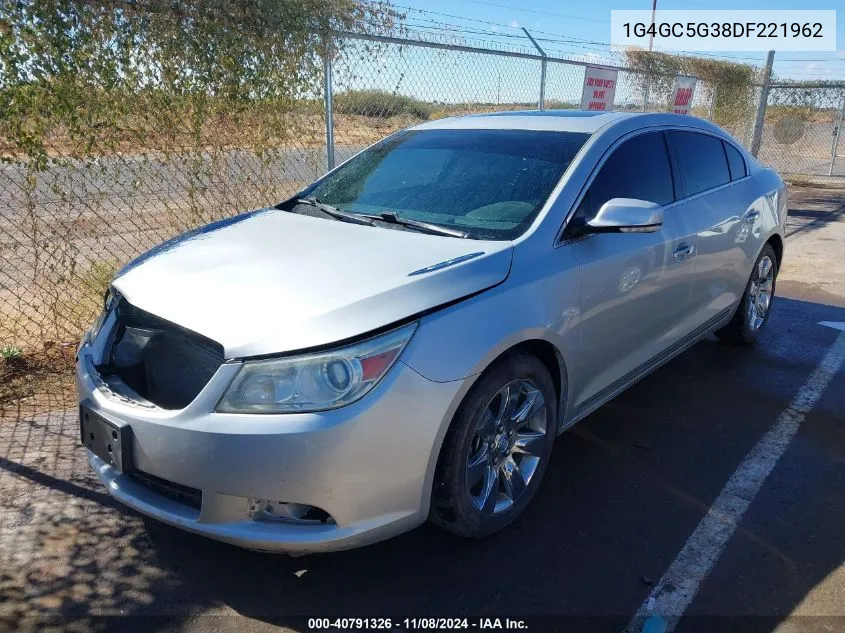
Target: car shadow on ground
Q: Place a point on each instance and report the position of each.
(625, 489)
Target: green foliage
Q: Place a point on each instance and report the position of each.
(734, 83)
(96, 96)
(96, 279)
(380, 103)
(10, 352)
(81, 69)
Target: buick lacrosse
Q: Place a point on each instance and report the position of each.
(404, 338)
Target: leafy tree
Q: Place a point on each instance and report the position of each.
(84, 69)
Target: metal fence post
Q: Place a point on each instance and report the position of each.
(541, 102)
(327, 99)
(757, 135)
(837, 134)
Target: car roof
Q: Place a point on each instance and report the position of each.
(560, 121)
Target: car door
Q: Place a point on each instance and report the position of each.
(635, 287)
(715, 205)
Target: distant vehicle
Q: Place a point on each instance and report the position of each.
(404, 338)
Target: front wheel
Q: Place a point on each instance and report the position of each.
(497, 449)
(756, 304)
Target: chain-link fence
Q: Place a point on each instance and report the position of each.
(67, 226)
(801, 129)
(384, 84)
(74, 213)
(151, 136)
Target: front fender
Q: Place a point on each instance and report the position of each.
(462, 340)
(538, 302)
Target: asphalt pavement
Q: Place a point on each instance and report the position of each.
(625, 494)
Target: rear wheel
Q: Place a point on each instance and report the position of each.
(756, 304)
(497, 449)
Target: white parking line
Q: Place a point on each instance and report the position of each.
(676, 589)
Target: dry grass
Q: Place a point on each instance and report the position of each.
(220, 134)
(816, 182)
(293, 130)
(808, 114)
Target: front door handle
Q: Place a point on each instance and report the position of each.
(683, 251)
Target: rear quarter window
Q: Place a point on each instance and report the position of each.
(736, 162)
(701, 161)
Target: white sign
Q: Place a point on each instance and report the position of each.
(599, 88)
(682, 95)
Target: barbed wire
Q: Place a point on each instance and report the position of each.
(598, 46)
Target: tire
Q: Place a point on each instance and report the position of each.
(741, 330)
(513, 455)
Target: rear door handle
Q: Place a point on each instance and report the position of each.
(752, 216)
(683, 251)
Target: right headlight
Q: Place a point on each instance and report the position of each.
(314, 382)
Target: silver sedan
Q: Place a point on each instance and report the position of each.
(404, 338)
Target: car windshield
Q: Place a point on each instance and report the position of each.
(489, 183)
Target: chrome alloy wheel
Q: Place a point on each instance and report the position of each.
(760, 293)
(506, 446)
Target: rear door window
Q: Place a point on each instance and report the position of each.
(735, 161)
(701, 161)
(639, 168)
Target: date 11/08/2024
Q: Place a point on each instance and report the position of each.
(422, 624)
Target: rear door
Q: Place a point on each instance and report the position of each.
(635, 287)
(715, 198)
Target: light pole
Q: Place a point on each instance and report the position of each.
(650, 47)
(651, 34)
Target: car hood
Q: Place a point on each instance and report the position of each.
(271, 281)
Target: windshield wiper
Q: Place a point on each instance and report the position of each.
(335, 213)
(391, 218)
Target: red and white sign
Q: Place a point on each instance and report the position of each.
(599, 88)
(682, 95)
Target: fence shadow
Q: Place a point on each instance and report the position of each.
(67, 549)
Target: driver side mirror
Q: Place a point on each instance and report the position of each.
(627, 215)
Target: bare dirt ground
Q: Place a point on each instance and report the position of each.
(815, 264)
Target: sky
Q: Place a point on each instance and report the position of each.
(571, 22)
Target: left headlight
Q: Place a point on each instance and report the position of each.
(314, 382)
